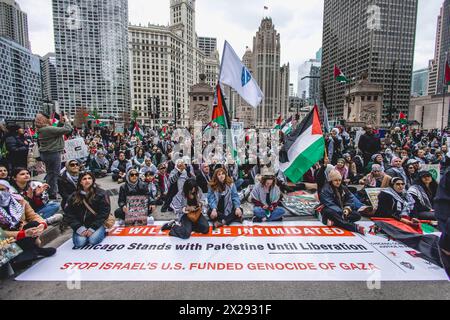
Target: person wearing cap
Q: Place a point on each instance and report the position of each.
(395, 202)
(224, 204)
(423, 191)
(134, 186)
(18, 220)
(67, 182)
(17, 147)
(266, 197)
(340, 207)
(51, 146)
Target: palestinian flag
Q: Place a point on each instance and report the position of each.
(403, 119)
(55, 119)
(447, 73)
(339, 76)
(278, 124)
(220, 113)
(303, 148)
(287, 127)
(138, 131)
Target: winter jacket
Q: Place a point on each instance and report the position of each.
(17, 151)
(51, 139)
(65, 188)
(125, 192)
(330, 200)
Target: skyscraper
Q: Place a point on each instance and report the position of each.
(420, 82)
(309, 88)
(444, 45)
(49, 82)
(434, 64)
(373, 37)
(207, 45)
(14, 23)
(91, 42)
(272, 79)
(20, 85)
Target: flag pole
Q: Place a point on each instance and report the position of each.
(444, 91)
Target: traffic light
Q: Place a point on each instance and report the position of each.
(179, 110)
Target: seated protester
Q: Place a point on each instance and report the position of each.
(153, 189)
(223, 200)
(133, 187)
(67, 182)
(376, 159)
(177, 178)
(339, 205)
(203, 177)
(373, 179)
(188, 205)
(266, 196)
(420, 156)
(138, 161)
(321, 175)
(395, 171)
(148, 167)
(343, 170)
(19, 221)
(86, 212)
(159, 158)
(233, 173)
(396, 203)
(423, 191)
(3, 172)
(120, 167)
(351, 168)
(162, 180)
(98, 164)
(412, 172)
(36, 195)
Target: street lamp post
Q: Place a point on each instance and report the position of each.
(174, 95)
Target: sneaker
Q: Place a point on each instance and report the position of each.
(255, 219)
(169, 225)
(54, 219)
(45, 252)
(150, 221)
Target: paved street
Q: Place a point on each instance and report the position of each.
(11, 289)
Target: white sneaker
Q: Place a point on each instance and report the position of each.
(54, 219)
(150, 221)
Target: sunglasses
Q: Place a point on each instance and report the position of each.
(134, 175)
(400, 184)
(73, 165)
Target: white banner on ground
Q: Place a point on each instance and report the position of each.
(75, 149)
(434, 169)
(274, 252)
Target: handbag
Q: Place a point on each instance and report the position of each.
(109, 222)
(194, 216)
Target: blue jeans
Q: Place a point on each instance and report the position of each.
(52, 161)
(49, 210)
(238, 183)
(276, 214)
(96, 238)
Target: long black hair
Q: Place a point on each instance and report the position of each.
(187, 188)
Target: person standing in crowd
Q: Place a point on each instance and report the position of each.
(188, 207)
(133, 187)
(36, 195)
(442, 212)
(266, 197)
(223, 200)
(120, 167)
(423, 191)
(339, 205)
(19, 221)
(51, 146)
(87, 211)
(67, 182)
(369, 144)
(17, 147)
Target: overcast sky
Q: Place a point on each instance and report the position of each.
(298, 21)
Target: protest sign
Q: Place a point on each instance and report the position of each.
(8, 250)
(75, 149)
(119, 127)
(434, 170)
(373, 193)
(137, 211)
(295, 251)
(300, 203)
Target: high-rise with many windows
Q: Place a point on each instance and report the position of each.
(376, 37)
(14, 23)
(91, 42)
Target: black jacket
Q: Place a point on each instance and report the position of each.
(65, 188)
(141, 190)
(17, 151)
(369, 144)
(442, 203)
(78, 216)
(202, 182)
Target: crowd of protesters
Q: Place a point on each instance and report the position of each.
(200, 192)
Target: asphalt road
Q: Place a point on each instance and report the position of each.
(11, 290)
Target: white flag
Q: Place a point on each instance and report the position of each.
(234, 74)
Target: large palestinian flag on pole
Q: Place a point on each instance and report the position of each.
(220, 113)
(303, 148)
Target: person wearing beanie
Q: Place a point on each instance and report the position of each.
(340, 207)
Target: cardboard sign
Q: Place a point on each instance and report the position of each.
(373, 193)
(137, 211)
(119, 128)
(75, 149)
(295, 251)
(434, 170)
(8, 251)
